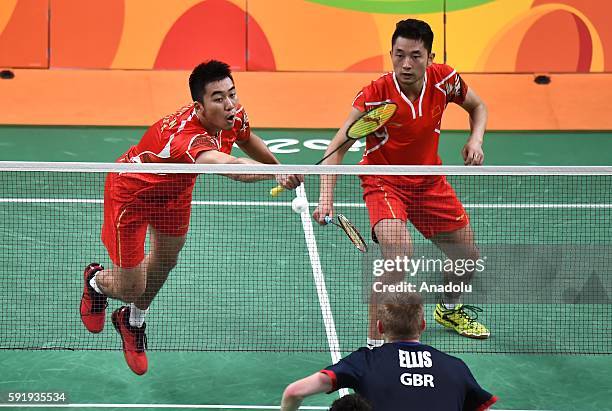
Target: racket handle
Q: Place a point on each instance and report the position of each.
(328, 219)
(275, 192)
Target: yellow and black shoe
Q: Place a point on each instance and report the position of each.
(461, 321)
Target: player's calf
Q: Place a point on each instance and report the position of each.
(461, 274)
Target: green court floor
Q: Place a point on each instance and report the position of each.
(223, 378)
(307, 146)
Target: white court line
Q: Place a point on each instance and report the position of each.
(146, 406)
(288, 204)
(179, 406)
(317, 272)
(319, 278)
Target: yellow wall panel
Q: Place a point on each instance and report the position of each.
(324, 38)
(386, 24)
(471, 31)
(315, 38)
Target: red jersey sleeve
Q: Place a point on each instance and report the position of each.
(199, 144)
(456, 89)
(359, 101)
(368, 94)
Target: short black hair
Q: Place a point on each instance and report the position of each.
(205, 73)
(415, 30)
(352, 402)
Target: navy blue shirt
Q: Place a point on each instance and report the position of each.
(409, 376)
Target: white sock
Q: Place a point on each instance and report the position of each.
(137, 316)
(373, 343)
(94, 284)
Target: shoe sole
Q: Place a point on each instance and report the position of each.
(475, 337)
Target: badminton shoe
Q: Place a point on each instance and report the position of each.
(461, 320)
(134, 340)
(93, 304)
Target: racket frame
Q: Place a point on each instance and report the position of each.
(348, 227)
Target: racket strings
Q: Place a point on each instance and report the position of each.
(372, 121)
(352, 233)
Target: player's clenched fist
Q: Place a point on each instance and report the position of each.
(325, 208)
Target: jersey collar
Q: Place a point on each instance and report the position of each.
(408, 342)
(407, 100)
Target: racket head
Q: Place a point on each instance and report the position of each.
(371, 121)
(353, 234)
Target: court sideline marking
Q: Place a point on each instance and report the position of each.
(319, 279)
(178, 406)
(288, 204)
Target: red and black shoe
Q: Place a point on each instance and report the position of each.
(93, 304)
(134, 340)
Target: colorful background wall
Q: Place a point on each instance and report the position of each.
(566, 36)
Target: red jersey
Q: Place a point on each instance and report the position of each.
(411, 136)
(180, 138)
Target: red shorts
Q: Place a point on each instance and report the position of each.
(129, 210)
(430, 204)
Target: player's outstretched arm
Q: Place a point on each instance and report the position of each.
(296, 392)
(217, 157)
(328, 182)
(472, 152)
(257, 149)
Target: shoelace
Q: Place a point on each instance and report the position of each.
(473, 309)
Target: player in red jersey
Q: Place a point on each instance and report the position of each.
(422, 90)
(202, 132)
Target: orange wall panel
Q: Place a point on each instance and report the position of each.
(141, 97)
(212, 29)
(597, 12)
(85, 34)
(24, 28)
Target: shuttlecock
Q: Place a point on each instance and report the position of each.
(299, 205)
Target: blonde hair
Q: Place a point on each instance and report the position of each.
(401, 315)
